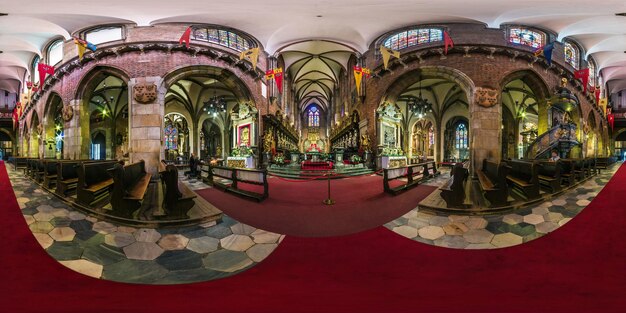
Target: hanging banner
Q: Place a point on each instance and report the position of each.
(603, 105)
(447, 42)
(252, 55)
(583, 75)
(186, 37)
(82, 45)
(546, 51)
(277, 75)
(43, 70)
(387, 54)
(597, 93)
(359, 72)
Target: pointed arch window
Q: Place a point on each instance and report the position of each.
(54, 53)
(313, 117)
(171, 137)
(461, 136)
(34, 77)
(413, 37)
(526, 37)
(431, 136)
(592, 73)
(571, 54)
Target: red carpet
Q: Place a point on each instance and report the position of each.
(578, 268)
(295, 208)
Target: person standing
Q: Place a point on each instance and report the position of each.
(192, 165)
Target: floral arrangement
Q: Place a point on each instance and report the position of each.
(392, 152)
(355, 158)
(279, 159)
(243, 151)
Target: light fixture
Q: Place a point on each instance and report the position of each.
(215, 104)
(419, 106)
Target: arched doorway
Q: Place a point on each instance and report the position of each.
(591, 135)
(55, 127)
(36, 130)
(520, 118)
(176, 136)
(98, 146)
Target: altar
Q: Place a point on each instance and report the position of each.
(391, 161)
(241, 162)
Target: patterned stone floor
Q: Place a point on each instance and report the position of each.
(498, 231)
(164, 256)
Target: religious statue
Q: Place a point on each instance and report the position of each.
(218, 150)
(245, 137)
(268, 141)
(365, 142)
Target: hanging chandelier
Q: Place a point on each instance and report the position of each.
(215, 105)
(419, 106)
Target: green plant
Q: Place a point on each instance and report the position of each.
(355, 158)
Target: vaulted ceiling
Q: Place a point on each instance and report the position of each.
(279, 23)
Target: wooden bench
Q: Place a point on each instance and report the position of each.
(234, 176)
(579, 169)
(94, 183)
(524, 179)
(179, 199)
(50, 173)
(130, 184)
(492, 181)
(29, 170)
(605, 162)
(590, 167)
(414, 173)
(39, 170)
(568, 176)
(550, 175)
(67, 178)
(19, 162)
(453, 190)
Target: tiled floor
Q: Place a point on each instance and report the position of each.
(125, 254)
(498, 231)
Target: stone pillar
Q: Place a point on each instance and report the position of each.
(76, 141)
(146, 125)
(485, 133)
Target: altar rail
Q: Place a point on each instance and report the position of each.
(234, 176)
(414, 173)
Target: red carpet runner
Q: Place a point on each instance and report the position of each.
(295, 208)
(578, 268)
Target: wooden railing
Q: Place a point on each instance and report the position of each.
(234, 177)
(414, 173)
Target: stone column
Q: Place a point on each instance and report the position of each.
(146, 125)
(485, 133)
(76, 141)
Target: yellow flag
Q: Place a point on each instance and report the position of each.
(358, 75)
(251, 54)
(603, 104)
(81, 51)
(387, 53)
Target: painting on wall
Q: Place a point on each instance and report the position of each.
(389, 136)
(244, 135)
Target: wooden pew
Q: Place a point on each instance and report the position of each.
(567, 172)
(94, 183)
(50, 173)
(130, 184)
(179, 199)
(67, 178)
(524, 178)
(579, 169)
(414, 173)
(30, 167)
(590, 167)
(492, 181)
(453, 190)
(605, 162)
(550, 175)
(39, 170)
(239, 175)
(19, 162)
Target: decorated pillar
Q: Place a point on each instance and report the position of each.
(485, 126)
(146, 110)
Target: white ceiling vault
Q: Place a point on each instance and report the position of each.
(279, 23)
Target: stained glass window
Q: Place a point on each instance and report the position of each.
(461, 136)
(526, 37)
(313, 117)
(171, 137)
(431, 136)
(222, 37)
(413, 37)
(571, 54)
(592, 73)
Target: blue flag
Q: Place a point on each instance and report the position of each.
(546, 51)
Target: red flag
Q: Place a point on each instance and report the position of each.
(43, 70)
(278, 78)
(583, 75)
(611, 119)
(598, 91)
(185, 37)
(447, 42)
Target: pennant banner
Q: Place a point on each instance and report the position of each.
(597, 93)
(43, 70)
(583, 75)
(359, 72)
(447, 42)
(611, 119)
(82, 45)
(252, 55)
(277, 75)
(603, 105)
(186, 37)
(17, 113)
(387, 54)
(546, 51)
